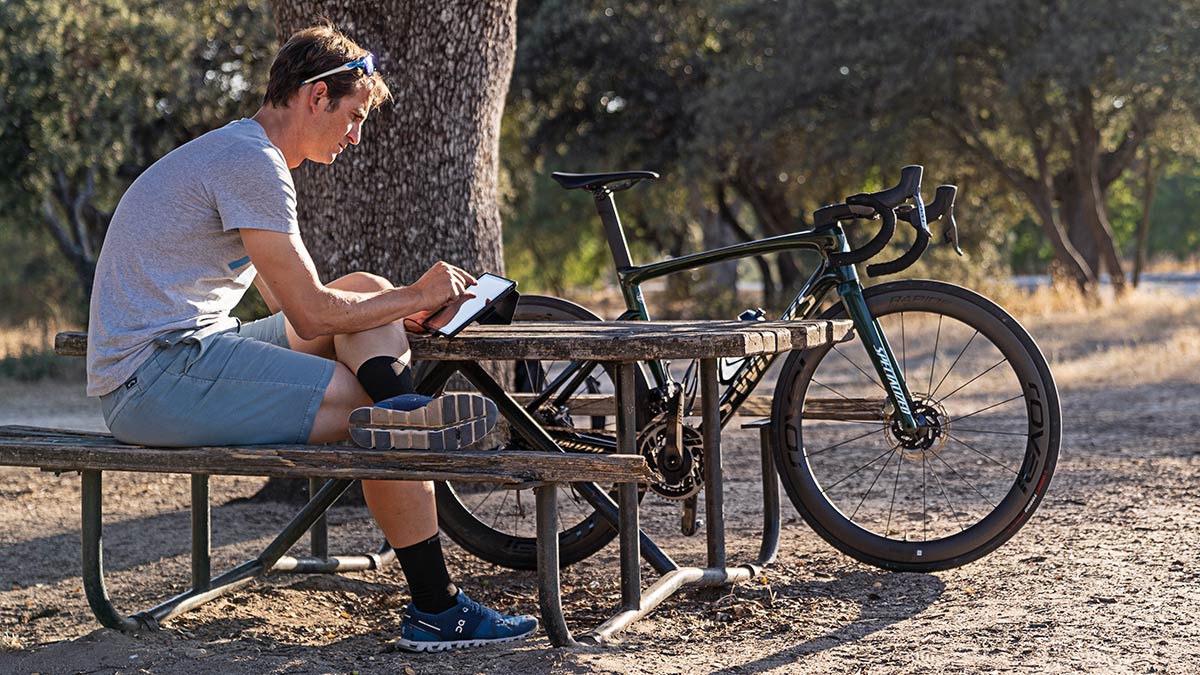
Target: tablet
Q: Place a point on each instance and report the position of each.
(459, 314)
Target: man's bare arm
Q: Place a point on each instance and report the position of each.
(267, 296)
(288, 274)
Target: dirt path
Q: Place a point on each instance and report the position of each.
(1106, 578)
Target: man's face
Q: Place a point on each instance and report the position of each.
(332, 131)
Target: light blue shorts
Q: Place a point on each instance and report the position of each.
(238, 387)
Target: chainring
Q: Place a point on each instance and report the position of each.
(682, 483)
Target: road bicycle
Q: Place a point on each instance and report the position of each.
(922, 442)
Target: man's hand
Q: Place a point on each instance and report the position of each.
(442, 284)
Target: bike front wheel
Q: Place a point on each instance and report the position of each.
(944, 495)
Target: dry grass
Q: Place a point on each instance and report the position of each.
(35, 336)
(1144, 337)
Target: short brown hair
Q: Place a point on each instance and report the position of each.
(312, 51)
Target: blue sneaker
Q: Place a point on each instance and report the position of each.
(415, 422)
(467, 624)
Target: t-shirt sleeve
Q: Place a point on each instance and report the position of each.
(253, 189)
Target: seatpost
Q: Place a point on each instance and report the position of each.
(607, 206)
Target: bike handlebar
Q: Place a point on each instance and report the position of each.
(942, 205)
(886, 230)
(909, 185)
(880, 203)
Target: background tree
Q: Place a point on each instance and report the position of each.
(91, 94)
(1054, 97)
(422, 186)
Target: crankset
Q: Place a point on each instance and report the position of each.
(678, 471)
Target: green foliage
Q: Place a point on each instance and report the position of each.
(93, 93)
(32, 365)
(1175, 213)
(782, 107)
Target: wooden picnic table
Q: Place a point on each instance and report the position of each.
(621, 344)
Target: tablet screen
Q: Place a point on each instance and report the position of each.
(456, 315)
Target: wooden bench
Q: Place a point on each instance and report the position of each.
(92, 454)
(619, 343)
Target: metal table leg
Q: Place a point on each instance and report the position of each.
(714, 476)
(201, 533)
(204, 588)
(629, 527)
(530, 430)
(549, 586)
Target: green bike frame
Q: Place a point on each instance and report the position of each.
(844, 279)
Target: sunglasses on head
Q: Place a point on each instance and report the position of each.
(367, 63)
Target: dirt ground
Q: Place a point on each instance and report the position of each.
(1105, 578)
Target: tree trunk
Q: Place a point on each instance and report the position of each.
(1073, 211)
(1151, 171)
(1093, 209)
(1069, 259)
(422, 185)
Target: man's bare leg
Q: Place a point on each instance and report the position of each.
(405, 510)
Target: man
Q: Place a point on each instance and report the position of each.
(172, 368)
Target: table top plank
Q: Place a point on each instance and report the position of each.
(604, 340)
(628, 340)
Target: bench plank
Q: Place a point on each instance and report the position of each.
(603, 341)
(69, 451)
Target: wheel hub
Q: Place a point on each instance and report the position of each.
(926, 441)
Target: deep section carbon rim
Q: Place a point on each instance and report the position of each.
(957, 488)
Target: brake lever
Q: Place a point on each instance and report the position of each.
(942, 207)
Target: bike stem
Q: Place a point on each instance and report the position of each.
(876, 344)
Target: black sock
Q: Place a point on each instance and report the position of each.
(428, 579)
(385, 377)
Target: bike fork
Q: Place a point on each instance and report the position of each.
(878, 348)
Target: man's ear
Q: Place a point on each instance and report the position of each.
(317, 96)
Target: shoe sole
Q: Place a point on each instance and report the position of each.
(412, 646)
(449, 422)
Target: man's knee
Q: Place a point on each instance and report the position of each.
(361, 282)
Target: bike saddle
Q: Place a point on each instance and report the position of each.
(598, 181)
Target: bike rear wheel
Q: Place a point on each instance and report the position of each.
(498, 523)
(942, 497)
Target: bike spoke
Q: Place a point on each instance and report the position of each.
(852, 473)
(959, 430)
(995, 405)
(924, 500)
(867, 375)
(835, 391)
(887, 529)
(965, 480)
(872, 485)
(968, 382)
(849, 440)
(951, 369)
(500, 511)
(485, 499)
(933, 364)
(946, 496)
(903, 348)
(983, 454)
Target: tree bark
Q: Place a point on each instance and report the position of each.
(422, 186)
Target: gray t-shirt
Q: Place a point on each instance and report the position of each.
(173, 261)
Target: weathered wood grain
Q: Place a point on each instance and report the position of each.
(606, 341)
(68, 451)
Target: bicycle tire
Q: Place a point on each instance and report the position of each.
(476, 523)
(912, 313)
